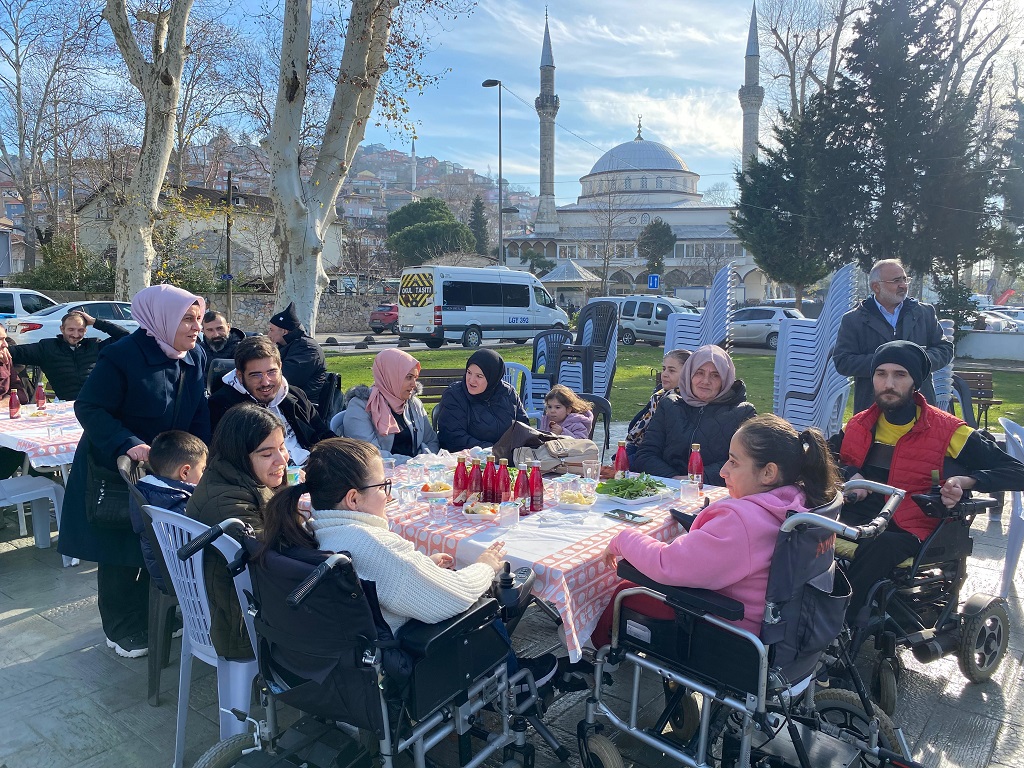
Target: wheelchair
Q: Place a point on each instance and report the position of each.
(323, 648)
(918, 605)
(738, 700)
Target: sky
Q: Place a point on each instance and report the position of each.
(678, 63)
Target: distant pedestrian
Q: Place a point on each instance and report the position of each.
(302, 360)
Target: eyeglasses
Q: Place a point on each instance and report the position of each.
(386, 485)
(901, 280)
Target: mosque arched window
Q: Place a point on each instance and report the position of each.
(645, 219)
(643, 182)
(628, 183)
(658, 184)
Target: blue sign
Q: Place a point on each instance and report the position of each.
(653, 282)
(227, 277)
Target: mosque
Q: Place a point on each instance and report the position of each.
(631, 185)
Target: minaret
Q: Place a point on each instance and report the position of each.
(412, 177)
(751, 94)
(547, 107)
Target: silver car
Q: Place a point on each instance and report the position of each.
(759, 326)
(45, 324)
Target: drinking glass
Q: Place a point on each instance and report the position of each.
(439, 510)
(508, 514)
(592, 469)
(407, 493)
(414, 471)
(54, 434)
(389, 468)
(689, 492)
(437, 473)
(294, 475)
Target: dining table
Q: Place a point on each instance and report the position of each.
(564, 547)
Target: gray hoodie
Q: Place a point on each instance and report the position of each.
(357, 424)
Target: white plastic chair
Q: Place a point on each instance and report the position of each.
(520, 378)
(1015, 535)
(689, 331)
(27, 488)
(234, 678)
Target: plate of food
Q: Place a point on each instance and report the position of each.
(634, 491)
(576, 501)
(480, 510)
(437, 490)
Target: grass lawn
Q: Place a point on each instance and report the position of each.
(634, 377)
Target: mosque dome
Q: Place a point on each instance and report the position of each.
(639, 155)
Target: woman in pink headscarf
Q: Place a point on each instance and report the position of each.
(142, 385)
(388, 414)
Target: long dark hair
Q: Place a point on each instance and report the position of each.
(334, 467)
(240, 432)
(803, 459)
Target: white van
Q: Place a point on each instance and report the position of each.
(645, 317)
(468, 304)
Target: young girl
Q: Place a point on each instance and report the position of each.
(770, 470)
(566, 413)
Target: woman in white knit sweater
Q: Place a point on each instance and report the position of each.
(347, 488)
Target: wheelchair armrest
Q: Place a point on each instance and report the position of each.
(419, 639)
(687, 598)
(932, 506)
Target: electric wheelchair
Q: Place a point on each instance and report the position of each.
(918, 605)
(324, 649)
(757, 702)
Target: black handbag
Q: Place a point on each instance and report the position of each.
(106, 493)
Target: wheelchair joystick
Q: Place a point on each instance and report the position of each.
(513, 590)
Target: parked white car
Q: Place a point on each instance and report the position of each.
(15, 302)
(760, 326)
(45, 324)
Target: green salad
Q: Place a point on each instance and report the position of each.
(632, 487)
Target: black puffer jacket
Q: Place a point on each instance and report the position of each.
(302, 364)
(227, 352)
(67, 367)
(665, 450)
(464, 421)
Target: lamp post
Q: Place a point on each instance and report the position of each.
(501, 221)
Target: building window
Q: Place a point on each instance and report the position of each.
(658, 182)
(567, 251)
(643, 182)
(628, 184)
(645, 219)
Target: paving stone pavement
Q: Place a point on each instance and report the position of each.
(69, 701)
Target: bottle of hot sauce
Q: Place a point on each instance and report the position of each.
(460, 483)
(14, 404)
(522, 487)
(489, 477)
(621, 463)
(40, 398)
(503, 486)
(536, 488)
(476, 478)
(695, 467)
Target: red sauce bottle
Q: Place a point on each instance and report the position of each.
(476, 479)
(503, 486)
(14, 404)
(621, 463)
(489, 481)
(695, 467)
(460, 483)
(536, 488)
(522, 487)
(40, 398)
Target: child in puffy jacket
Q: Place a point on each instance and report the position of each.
(566, 413)
(178, 461)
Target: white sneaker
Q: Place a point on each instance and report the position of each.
(132, 647)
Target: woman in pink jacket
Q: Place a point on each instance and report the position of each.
(770, 470)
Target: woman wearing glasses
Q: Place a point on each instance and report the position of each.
(888, 315)
(247, 463)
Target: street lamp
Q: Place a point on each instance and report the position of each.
(501, 222)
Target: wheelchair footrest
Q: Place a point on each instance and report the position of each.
(312, 743)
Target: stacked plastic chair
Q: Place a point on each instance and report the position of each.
(712, 325)
(942, 379)
(809, 392)
(589, 364)
(547, 347)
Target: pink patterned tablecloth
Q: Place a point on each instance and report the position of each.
(49, 441)
(566, 557)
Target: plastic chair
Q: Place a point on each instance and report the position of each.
(26, 488)
(234, 678)
(338, 423)
(714, 324)
(589, 364)
(520, 378)
(603, 408)
(215, 372)
(1015, 536)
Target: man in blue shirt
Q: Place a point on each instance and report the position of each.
(886, 316)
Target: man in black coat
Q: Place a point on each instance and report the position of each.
(219, 339)
(257, 378)
(887, 316)
(302, 360)
(68, 359)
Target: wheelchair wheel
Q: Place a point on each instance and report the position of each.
(843, 708)
(603, 753)
(884, 682)
(225, 753)
(685, 718)
(983, 640)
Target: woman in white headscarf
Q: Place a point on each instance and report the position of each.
(142, 385)
(708, 408)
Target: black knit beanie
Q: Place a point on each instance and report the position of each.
(287, 318)
(906, 353)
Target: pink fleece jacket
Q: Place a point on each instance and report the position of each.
(728, 549)
(575, 425)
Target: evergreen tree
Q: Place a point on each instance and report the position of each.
(654, 243)
(478, 225)
(422, 211)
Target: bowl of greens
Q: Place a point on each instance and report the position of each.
(633, 491)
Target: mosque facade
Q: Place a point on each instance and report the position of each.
(630, 186)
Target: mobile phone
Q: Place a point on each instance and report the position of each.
(625, 516)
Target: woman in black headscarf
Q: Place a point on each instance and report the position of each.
(478, 409)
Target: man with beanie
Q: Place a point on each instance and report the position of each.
(302, 360)
(899, 441)
(888, 315)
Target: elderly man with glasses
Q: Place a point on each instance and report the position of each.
(890, 314)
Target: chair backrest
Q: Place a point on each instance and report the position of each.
(547, 346)
(338, 423)
(332, 399)
(216, 370)
(1014, 438)
(131, 472)
(596, 322)
(602, 409)
(172, 531)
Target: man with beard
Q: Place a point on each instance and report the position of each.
(899, 441)
(219, 340)
(257, 378)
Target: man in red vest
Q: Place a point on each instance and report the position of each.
(899, 441)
